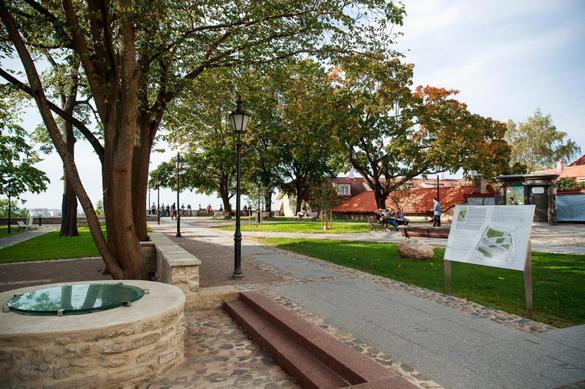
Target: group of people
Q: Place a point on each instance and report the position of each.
(391, 218)
(171, 210)
(396, 218)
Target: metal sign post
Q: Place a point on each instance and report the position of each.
(528, 279)
(447, 272)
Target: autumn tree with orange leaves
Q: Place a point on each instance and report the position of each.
(391, 133)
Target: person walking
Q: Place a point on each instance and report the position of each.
(436, 213)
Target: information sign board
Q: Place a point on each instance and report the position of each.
(495, 235)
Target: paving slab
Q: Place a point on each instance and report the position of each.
(293, 267)
(469, 353)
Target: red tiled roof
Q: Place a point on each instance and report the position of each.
(411, 201)
(579, 162)
(573, 171)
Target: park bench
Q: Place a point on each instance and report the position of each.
(21, 226)
(373, 222)
(307, 215)
(425, 232)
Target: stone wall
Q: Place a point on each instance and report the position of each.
(121, 347)
(176, 266)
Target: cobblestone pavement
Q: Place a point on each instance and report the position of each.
(219, 355)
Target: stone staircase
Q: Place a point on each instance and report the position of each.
(314, 358)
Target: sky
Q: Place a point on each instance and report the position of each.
(507, 58)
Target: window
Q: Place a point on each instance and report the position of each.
(343, 190)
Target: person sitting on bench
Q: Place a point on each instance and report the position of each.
(400, 219)
(384, 217)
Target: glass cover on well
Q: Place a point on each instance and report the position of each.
(74, 299)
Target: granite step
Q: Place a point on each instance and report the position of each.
(305, 367)
(349, 366)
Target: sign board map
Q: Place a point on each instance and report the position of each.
(494, 235)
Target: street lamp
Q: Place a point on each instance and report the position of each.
(239, 120)
(178, 166)
(157, 202)
(9, 205)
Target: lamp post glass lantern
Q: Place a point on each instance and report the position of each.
(239, 120)
(178, 166)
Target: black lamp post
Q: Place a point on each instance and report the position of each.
(239, 120)
(157, 202)
(9, 206)
(178, 166)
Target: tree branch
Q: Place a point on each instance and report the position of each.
(99, 149)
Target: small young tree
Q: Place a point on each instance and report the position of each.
(324, 197)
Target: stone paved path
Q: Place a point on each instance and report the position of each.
(25, 235)
(562, 238)
(454, 347)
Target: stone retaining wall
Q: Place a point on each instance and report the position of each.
(176, 266)
(121, 347)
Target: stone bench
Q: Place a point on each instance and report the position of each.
(174, 265)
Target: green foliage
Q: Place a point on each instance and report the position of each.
(538, 144)
(568, 183)
(17, 159)
(99, 208)
(558, 279)
(304, 120)
(391, 133)
(15, 210)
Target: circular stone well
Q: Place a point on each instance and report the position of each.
(120, 347)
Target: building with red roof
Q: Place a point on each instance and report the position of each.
(416, 201)
(576, 170)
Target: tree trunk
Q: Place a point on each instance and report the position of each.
(268, 201)
(380, 199)
(69, 203)
(140, 167)
(68, 212)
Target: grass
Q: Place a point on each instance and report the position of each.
(51, 246)
(4, 231)
(557, 279)
(302, 227)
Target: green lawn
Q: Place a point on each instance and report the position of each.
(51, 246)
(4, 231)
(558, 280)
(300, 226)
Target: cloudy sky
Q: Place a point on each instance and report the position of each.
(507, 58)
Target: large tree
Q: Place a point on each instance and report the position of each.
(137, 57)
(391, 132)
(538, 144)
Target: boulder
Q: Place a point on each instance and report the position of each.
(415, 249)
